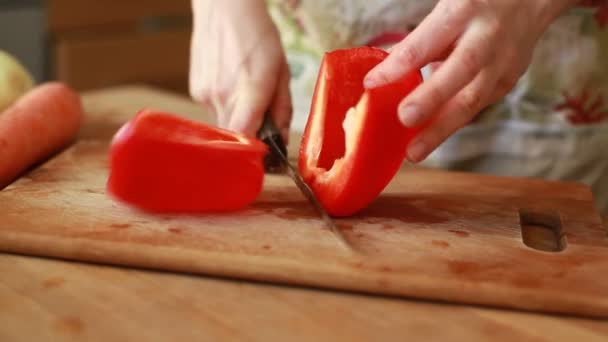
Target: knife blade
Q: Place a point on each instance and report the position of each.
(277, 162)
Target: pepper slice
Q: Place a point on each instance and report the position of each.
(353, 143)
(160, 162)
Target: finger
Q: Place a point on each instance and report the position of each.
(455, 115)
(251, 104)
(254, 94)
(221, 110)
(195, 66)
(282, 108)
(428, 42)
(455, 73)
(204, 87)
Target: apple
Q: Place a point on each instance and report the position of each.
(15, 80)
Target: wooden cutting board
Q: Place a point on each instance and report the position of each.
(437, 235)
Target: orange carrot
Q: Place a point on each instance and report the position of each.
(37, 125)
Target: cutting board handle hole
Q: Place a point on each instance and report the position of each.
(542, 230)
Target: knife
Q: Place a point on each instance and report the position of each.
(276, 162)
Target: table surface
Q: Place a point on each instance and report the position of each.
(44, 299)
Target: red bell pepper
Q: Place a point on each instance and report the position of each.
(353, 144)
(160, 162)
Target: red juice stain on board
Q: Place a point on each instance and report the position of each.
(463, 267)
(383, 283)
(70, 325)
(52, 283)
(560, 274)
(175, 230)
(265, 207)
(346, 226)
(527, 282)
(440, 243)
(293, 214)
(385, 269)
(402, 209)
(266, 247)
(120, 225)
(287, 210)
(42, 194)
(460, 233)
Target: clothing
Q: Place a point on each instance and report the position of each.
(553, 124)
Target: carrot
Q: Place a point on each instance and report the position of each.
(38, 124)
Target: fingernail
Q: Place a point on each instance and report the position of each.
(417, 151)
(410, 116)
(370, 82)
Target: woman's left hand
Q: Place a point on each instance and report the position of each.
(487, 45)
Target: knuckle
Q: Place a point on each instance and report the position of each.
(199, 97)
(471, 7)
(435, 93)
(194, 94)
(469, 4)
(494, 29)
(442, 134)
(218, 95)
(509, 54)
(471, 62)
(383, 75)
(203, 97)
(288, 110)
(507, 84)
(283, 113)
(470, 101)
(197, 92)
(408, 55)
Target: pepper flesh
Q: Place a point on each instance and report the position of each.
(348, 167)
(160, 162)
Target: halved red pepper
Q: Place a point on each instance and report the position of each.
(164, 163)
(348, 171)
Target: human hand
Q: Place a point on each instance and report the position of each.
(237, 65)
(487, 46)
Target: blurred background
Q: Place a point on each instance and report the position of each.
(97, 43)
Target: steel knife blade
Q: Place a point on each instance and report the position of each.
(277, 162)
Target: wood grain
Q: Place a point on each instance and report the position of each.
(49, 300)
(445, 236)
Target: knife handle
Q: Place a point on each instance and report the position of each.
(267, 133)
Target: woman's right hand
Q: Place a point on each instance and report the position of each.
(238, 67)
